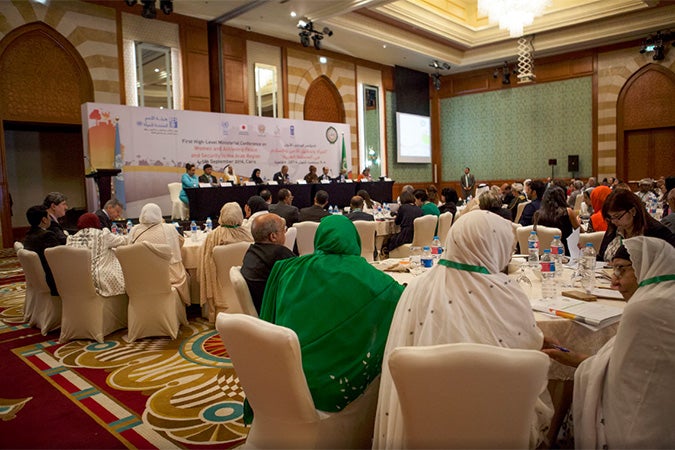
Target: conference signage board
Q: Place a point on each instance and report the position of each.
(152, 146)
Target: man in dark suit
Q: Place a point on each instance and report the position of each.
(468, 183)
(325, 176)
(56, 205)
(356, 207)
(112, 210)
(282, 177)
(39, 238)
(206, 177)
(537, 189)
(317, 211)
(285, 209)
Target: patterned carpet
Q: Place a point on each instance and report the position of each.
(154, 393)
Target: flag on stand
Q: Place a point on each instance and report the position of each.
(119, 179)
(343, 163)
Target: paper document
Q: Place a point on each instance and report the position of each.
(593, 313)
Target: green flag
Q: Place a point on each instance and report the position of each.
(343, 164)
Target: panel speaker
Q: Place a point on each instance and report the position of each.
(572, 163)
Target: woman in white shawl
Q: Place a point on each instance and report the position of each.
(465, 298)
(152, 229)
(623, 396)
(229, 231)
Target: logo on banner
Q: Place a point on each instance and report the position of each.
(331, 135)
(225, 127)
(277, 130)
(261, 129)
(292, 131)
(243, 129)
(158, 124)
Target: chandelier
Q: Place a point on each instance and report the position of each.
(512, 15)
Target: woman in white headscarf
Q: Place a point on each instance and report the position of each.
(623, 396)
(152, 229)
(464, 298)
(229, 231)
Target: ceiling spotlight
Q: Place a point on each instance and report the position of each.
(657, 44)
(506, 72)
(436, 79)
(308, 31)
(166, 6)
(327, 31)
(317, 41)
(304, 38)
(131, 2)
(149, 9)
(439, 66)
(304, 23)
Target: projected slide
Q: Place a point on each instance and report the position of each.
(413, 134)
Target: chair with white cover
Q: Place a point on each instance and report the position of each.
(467, 395)
(424, 229)
(577, 203)
(268, 362)
(18, 245)
(544, 234)
(594, 238)
(444, 224)
(40, 309)
(291, 234)
(85, 314)
(519, 210)
(155, 308)
(366, 230)
(178, 209)
(224, 257)
(305, 236)
(241, 290)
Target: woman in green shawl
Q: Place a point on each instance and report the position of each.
(341, 309)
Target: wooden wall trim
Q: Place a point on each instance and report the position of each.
(594, 119)
(195, 58)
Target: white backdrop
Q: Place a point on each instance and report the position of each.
(156, 143)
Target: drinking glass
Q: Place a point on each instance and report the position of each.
(522, 278)
(415, 257)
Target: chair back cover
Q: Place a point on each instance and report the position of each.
(226, 256)
(425, 227)
(519, 210)
(85, 314)
(594, 238)
(291, 234)
(467, 395)
(305, 236)
(242, 292)
(155, 308)
(18, 246)
(577, 202)
(41, 310)
(366, 229)
(544, 234)
(178, 209)
(444, 224)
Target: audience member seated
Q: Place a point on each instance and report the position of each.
(369, 205)
(535, 193)
(188, 180)
(254, 207)
(112, 210)
(422, 201)
(449, 199)
(623, 395)
(153, 229)
(340, 307)
(408, 188)
(229, 231)
(229, 175)
(598, 196)
(669, 220)
(312, 177)
(465, 298)
(255, 176)
(491, 201)
(282, 176)
(506, 194)
(432, 194)
(266, 195)
(646, 191)
(356, 210)
(56, 204)
(105, 268)
(518, 198)
(555, 213)
(577, 191)
(317, 211)
(38, 238)
(623, 274)
(325, 176)
(269, 234)
(285, 209)
(627, 217)
(405, 217)
(207, 176)
(365, 175)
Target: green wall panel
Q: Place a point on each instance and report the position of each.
(512, 133)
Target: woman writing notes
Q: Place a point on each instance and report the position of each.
(188, 180)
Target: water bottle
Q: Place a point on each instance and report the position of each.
(558, 251)
(336, 210)
(426, 260)
(178, 228)
(129, 226)
(113, 228)
(209, 224)
(436, 249)
(588, 268)
(533, 249)
(193, 231)
(549, 286)
(379, 212)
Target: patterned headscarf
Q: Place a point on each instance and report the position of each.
(88, 220)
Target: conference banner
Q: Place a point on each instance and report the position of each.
(152, 146)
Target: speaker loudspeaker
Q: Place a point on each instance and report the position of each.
(572, 163)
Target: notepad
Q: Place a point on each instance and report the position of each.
(597, 315)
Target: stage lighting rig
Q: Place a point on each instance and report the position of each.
(308, 31)
(436, 77)
(150, 7)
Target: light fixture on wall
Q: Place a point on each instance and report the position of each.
(308, 31)
(436, 77)
(526, 60)
(150, 7)
(505, 71)
(657, 43)
(512, 15)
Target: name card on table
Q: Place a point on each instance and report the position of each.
(225, 184)
(325, 181)
(272, 183)
(302, 182)
(349, 181)
(249, 183)
(387, 179)
(203, 185)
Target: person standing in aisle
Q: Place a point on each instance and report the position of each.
(468, 182)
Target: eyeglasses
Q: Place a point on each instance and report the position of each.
(619, 270)
(613, 218)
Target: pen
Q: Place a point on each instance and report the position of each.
(574, 317)
(562, 349)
